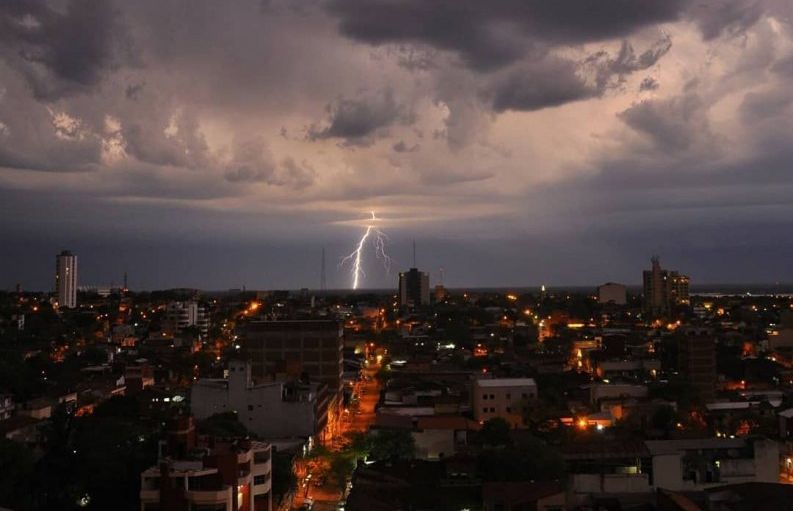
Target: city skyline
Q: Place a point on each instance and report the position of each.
(562, 147)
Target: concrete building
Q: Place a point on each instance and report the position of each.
(664, 289)
(7, 406)
(414, 288)
(181, 315)
(697, 361)
(221, 476)
(294, 349)
(270, 410)
(613, 293)
(507, 398)
(629, 467)
(66, 279)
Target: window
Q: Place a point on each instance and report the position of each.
(524, 395)
(509, 396)
(492, 396)
(484, 397)
(484, 410)
(492, 410)
(257, 480)
(250, 408)
(509, 409)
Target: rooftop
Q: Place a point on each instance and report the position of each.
(506, 382)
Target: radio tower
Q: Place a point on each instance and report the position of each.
(323, 284)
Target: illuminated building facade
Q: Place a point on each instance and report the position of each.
(66, 279)
(664, 289)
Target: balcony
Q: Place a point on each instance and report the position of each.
(209, 496)
(149, 496)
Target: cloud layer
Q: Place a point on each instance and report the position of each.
(590, 129)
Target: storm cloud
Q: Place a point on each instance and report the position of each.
(518, 141)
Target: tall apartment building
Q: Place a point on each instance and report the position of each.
(181, 315)
(664, 289)
(414, 288)
(697, 361)
(66, 279)
(289, 349)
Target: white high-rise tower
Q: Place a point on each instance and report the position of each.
(66, 279)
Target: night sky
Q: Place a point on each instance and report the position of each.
(216, 144)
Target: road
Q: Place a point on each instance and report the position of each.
(359, 417)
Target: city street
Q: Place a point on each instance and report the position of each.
(358, 418)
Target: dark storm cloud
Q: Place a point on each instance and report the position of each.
(62, 52)
(728, 16)
(552, 81)
(674, 124)
(252, 162)
(402, 147)
(358, 120)
(649, 84)
(489, 35)
(179, 142)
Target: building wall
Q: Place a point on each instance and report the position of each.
(66, 279)
(612, 293)
(697, 361)
(433, 444)
(261, 408)
(292, 347)
(505, 401)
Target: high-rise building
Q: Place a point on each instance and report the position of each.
(295, 348)
(181, 315)
(664, 289)
(66, 279)
(414, 288)
(697, 361)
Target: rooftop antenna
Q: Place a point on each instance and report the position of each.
(414, 254)
(441, 272)
(323, 284)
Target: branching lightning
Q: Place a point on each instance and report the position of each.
(379, 240)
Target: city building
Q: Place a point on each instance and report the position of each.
(414, 288)
(7, 406)
(296, 349)
(631, 467)
(697, 361)
(66, 279)
(614, 293)
(270, 410)
(664, 289)
(507, 398)
(217, 475)
(182, 315)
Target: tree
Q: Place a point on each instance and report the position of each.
(16, 473)
(284, 480)
(392, 445)
(531, 460)
(360, 444)
(495, 432)
(341, 466)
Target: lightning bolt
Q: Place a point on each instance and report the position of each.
(379, 240)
